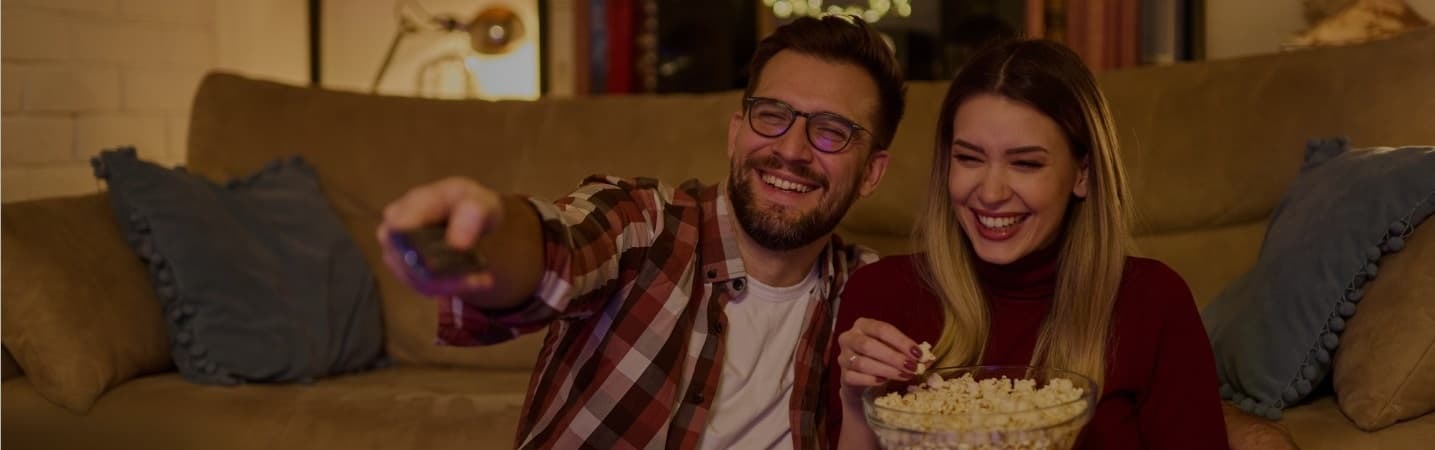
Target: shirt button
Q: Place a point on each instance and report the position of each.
(712, 274)
(695, 397)
(738, 284)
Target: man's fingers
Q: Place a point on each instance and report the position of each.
(469, 284)
(477, 282)
(454, 286)
(455, 201)
(391, 258)
(465, 224)
(430, 203)
(465, 207)
(418, 207)
(400, 269)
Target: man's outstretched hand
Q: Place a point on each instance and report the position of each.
(469, 210)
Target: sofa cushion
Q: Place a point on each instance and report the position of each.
(258, 279)
(1385, 367)
(1275, 328)
(79, 313)
(1318, 425)
(393, 408)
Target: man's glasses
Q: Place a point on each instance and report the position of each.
(827, 132)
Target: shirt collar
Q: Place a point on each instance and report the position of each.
(718, 235)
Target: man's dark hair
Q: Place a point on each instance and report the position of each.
(842, 39)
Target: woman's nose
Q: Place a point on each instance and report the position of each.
(993, 189)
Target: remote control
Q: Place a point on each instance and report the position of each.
(428, 254)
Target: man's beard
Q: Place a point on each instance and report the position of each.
(769, 227)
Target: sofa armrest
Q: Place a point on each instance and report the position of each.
(1248, 432)
(11, 368)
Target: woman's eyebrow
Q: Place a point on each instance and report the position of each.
(1011, 151)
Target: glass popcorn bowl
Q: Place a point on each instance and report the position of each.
(1049, 421)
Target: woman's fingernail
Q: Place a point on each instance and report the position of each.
(911, 366)
(916, 352)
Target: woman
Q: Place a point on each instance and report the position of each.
(1026, 262)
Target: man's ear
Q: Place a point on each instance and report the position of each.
(733, 126)
(1083, 174)
(876, 167)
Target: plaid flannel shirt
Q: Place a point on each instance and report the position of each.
(635, 280)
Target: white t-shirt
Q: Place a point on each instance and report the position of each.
(763, 326)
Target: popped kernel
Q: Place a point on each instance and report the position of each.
(927, 357)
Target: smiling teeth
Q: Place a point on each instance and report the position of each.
(784, 184)
(999, 222)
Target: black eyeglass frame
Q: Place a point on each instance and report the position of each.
(748, 102)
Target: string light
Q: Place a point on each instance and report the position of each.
(875, 10)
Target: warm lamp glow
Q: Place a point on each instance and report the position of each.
(491, 56)
(875, 10)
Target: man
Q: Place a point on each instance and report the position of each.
(694, 317)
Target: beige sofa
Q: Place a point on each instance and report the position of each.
(1211, 148)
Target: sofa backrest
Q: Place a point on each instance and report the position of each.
(1210, 146)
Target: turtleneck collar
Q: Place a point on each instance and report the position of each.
(1031, 278)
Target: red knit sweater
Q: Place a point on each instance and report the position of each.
(1161, 390)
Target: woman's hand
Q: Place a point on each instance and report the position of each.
(872, 352)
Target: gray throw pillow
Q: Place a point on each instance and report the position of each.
(259, 280)
(1275, 328)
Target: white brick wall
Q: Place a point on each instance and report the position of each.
(83, 75)
(80, 76)
(142, 43)
(100, 131)
(176, 129)
(36, 139)
(169, 89)
(69, 88)
(93, 6)
(40, 181)
(31, 33)
(198, 13)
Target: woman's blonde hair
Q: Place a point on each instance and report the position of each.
(1095, 237)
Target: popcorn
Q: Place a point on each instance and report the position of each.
(993, 413)
(927, 357)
